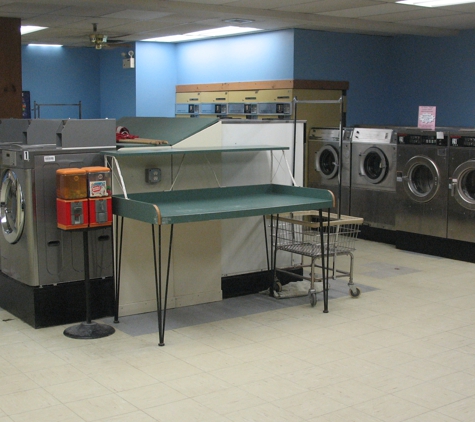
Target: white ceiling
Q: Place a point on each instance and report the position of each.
(70, 21)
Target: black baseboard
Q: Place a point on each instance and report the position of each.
(430, 245)
(53, 305)
(377, 235)
(251, 283)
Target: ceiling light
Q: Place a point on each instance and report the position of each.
(434, 3)
(46, 45)
(30, 28)
(216, 32)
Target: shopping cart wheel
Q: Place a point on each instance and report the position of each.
(277, 286)
(313, 298)
(355, 293)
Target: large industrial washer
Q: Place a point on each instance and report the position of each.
(373, 177)
(461, 199)
(325, 169)
(32, 249)
(422, 182)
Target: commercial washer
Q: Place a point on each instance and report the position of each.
(373, 177)
(325, 169)
(422, 182)
(32, 249)
(461, 199)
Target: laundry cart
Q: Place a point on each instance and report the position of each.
(300, 233)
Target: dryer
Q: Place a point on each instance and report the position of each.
(33, 250)
(422, 182)
(325, 170)
(373, 177)
(461, 198)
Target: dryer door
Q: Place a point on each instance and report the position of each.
(12, 207)
(421, 179)
(373, 165)
(326, 162)
(463, 185)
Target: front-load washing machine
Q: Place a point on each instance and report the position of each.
(422, 182)
(373, 177)
(325, 169)
(461, 199)
(32, 249)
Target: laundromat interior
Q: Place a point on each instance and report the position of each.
(274, 225)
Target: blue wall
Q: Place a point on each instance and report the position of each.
(62, 76)
(156, 79)
(434, 72)
(362, 60)
(252, 57)
(389, 76)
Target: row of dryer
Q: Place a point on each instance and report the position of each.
(399, 179)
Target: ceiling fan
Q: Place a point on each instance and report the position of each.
(100, 40)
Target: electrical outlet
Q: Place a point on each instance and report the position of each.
(153, 175)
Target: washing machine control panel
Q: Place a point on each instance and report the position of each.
(411, 139)
(462, 141)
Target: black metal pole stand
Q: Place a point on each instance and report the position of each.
(89, 329)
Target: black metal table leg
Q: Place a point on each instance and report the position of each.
(161, 303)
(119, 234)
(324, 266)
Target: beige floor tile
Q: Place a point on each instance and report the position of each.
(264, 413)
(309, 405)
(15, 383)
(56, 375)
(251, 352)
(350, 392)
(432, 416)
(137, 416)
(123, 377)
(242, 374)
(196, 385)
(348, 414)
(429, 395)
(389, 380)
(145, 356)
(151, 395)
(390, 408)
(26, 401)
(5, 419)
(387, 357)
(213, 360)
(462, 410)
(77, 390)
(424, 370)
(225, 340)
(101, 407)
(58, 413)
(187, 410)
(275, 388)
(460, 382)
(283, 364)
(188, 348)
(230, 400)
(289, 343)
(171, 370)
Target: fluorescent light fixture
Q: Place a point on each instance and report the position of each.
(216, 32)
(434, 3)
(30, 28)
(46, 45)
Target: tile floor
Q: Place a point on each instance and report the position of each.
(403, 351)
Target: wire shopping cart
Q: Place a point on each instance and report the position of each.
(300, 233)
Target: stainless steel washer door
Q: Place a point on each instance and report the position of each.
(421, 179)
(12, 207)
(463, 185)
(326, 162)
(373, 165)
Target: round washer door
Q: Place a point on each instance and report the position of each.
(12, 207)
(373, 165)
(463, 184)
(326, 162)
(421, 179)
